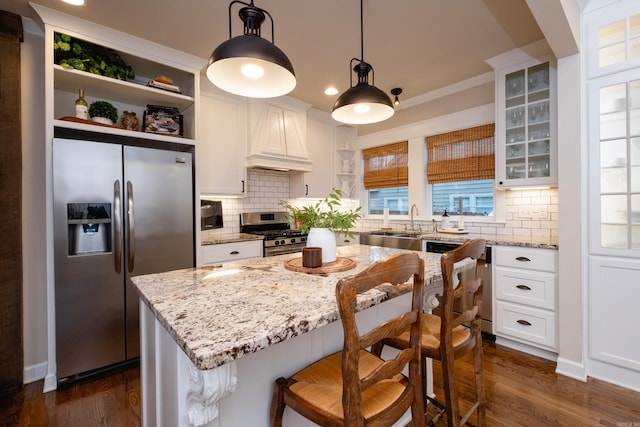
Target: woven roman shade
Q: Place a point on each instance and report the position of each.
(386, 166)
(463, 155)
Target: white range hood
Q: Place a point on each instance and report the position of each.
(278, 136)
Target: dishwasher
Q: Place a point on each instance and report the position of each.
(441, 247)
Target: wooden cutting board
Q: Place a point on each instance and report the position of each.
(340, 264)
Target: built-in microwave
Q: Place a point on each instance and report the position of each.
(210, 214)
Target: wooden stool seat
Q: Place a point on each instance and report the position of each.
(321, 384)
(461, 336)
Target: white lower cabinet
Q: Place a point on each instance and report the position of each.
(525, 295)
(235, 251)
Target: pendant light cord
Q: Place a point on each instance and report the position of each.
(361, 32)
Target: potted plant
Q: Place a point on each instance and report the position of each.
(321, 220)
(103, 112)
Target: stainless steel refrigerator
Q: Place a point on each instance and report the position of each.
(119, 211)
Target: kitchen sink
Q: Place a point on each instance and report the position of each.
(392, 240)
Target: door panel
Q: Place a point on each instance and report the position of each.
(159, 222)
(89, 291)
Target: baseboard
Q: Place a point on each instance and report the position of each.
(526, 348)
(571, 369)
(34, 373)
(50, 383)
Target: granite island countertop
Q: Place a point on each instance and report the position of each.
(219, 314)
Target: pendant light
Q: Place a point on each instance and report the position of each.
(362, 103)
(396, 91)
(249, 65)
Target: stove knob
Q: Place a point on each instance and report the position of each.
(282, 242)
(293, 240)
(276, 242)
(303, 239)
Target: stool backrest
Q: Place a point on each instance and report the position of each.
(395, 270)
(469, 282)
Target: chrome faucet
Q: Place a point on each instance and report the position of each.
(417, 213)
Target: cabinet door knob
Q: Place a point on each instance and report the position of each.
(523, 322)
(306, 189)
(523, 287)
(242, 186)
(234, 253)
(523, 259)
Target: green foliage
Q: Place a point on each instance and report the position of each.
(72, 53)
(326, 213)
(103, 109)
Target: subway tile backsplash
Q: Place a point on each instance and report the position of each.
(264, 190)
(528, 212)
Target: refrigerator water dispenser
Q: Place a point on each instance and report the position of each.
(89, 227)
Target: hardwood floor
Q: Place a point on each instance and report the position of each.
(522, 390)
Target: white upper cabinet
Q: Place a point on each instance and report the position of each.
(278, 135)
(318, 182)
(526, 118)
(222, 145)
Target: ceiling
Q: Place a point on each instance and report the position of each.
(418, 45)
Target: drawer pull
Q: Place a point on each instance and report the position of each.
(523, 287)
(523, 322)
(234, 253)
(523, 259)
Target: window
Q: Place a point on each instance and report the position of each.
(386, 179)
(461, 169)
(476, 197)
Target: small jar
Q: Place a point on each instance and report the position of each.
(129, 120)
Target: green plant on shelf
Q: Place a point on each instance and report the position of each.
(103, 109)
(73, 53)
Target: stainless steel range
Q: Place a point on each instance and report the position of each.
(278, 237)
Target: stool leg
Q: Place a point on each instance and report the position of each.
(450, 391)
(479, 380)
(277, 404)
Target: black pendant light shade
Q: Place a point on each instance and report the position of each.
(362, 103)
(249, 65)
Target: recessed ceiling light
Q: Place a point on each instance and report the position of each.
(331, 91)
(74, 2)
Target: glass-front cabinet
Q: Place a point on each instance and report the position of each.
(525, 121)
(616, 158)
(527, 124)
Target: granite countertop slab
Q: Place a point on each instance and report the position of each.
(230, 238)
(217, 315)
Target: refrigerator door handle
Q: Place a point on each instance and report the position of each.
(117, 200)
(130, 228)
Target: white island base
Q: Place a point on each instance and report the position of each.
(237, 394)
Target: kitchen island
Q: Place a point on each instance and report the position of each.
(214, 339)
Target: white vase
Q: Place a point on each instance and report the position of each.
(325, 239)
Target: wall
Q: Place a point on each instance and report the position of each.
(519, 205)
(33, 204)
(264, 190)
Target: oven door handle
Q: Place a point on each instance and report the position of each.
(282, 250)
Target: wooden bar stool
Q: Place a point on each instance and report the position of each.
(448, 336)
(353, 387)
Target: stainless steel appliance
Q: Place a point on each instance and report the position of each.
(119, 211)
(461, 304)
(210, 214)
(278, 237)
